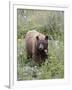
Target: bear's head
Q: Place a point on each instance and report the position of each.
(42, 44)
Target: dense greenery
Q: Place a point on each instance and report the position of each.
(50, 23)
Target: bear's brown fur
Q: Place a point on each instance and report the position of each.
(35, 41)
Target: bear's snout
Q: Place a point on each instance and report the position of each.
(41, 47)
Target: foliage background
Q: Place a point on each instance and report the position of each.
(50, 23)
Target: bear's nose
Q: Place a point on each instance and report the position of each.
(41, 47)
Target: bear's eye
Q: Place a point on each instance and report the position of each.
(46, 45)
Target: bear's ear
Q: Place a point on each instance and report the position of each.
(46, 37)
(37, 37)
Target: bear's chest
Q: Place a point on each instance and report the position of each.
(41, 54)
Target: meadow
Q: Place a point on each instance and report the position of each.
(49, 23)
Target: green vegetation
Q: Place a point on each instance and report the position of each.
(50, 23)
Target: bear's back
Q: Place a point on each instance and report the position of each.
(32, 34)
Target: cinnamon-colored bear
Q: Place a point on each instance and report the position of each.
(36, 46)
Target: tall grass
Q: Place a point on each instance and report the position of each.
(49, 23)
